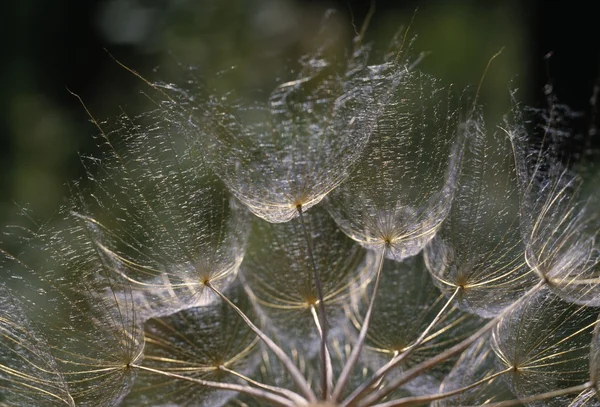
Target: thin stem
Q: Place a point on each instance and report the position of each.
(281, 355)
(409, 401)
(259, 393)
(369, 386)
(299, 400)
(365, 24)
(325, 367)
(329, 370)
(345, 375)
(543, 396)
(441, 357)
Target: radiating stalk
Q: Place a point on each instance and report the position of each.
(296, 398)
(325, 372)
(441, 357)
(368, 386)
(313, 311)
(281, 355)
(345, 375)
(543, 396)
(418, 400)
(259, 393)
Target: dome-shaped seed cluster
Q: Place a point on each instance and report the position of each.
(360, 236)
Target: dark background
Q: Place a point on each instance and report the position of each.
(50, 46)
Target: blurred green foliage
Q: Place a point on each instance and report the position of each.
(59, 45)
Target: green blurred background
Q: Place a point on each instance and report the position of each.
(50, 46)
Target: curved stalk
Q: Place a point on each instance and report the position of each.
(544, 396)
(259, 393)
(281, 355)
(326, 371)
(441, 357)
(296, 398)
(329, 370)
(409, 401)
(345, 375)
(397, 359)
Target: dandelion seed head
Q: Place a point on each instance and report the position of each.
(404, 251)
